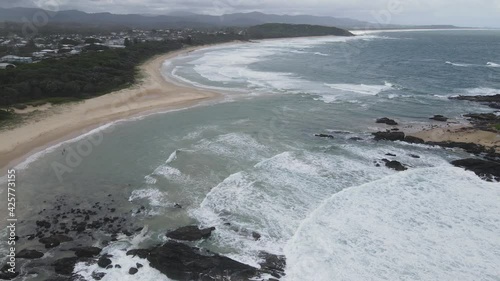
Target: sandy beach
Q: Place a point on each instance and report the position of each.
(151, 93)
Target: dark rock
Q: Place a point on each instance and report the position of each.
(178, 206)
(98, 275)
(141, 253)
(389, 136)
(29, 254)
(469, 147)
(273, 264)
(439, 118)
(495, 105)
(65, 266)
(256, 235)
(494, 98)
(390, 154)
(118, 266)
(109, 266)
(356, 139)
(182, 262)
(54, 241)
(43, 223)
(395, 165)
(86, 252)
(487, 170)
(324, 136)
(483, 116)
(414, 156)
(387, 121)
(138, 265)
(411, 139)
(190, 233)
(6, 274)
(103, 262)
(133, 271)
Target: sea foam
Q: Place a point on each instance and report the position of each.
(408, 226)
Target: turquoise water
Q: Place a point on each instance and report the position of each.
(252, 160)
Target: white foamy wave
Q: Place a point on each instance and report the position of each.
(492, 64)
(361, 88)
(274, 196)
(459, 64)
(155, 197)
(409, 226)
(119, 256)
(321, 54)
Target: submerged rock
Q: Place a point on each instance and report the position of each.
(190, 233)
(65, 266)
(387, 121)
(29, 254)
(324, 136)
(86, 252)
(182, 262)
(487, 170)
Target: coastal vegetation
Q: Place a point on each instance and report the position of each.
(279, 30)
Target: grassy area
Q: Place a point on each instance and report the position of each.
(497, 127)
(54, 100)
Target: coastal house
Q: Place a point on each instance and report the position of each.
(16, 59)
(7, 66)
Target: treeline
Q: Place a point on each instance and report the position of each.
(82, 76)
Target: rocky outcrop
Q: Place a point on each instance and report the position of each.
(487, 170)
(190, 233)
(29, 254)
(389, 136)
(104, 262)
(493, 98)
(395, 165)
(182, 262)
(273, 264)
(439, 118)
(387, 121)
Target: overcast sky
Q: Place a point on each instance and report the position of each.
(458, 12)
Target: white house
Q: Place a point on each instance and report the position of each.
(7, 66)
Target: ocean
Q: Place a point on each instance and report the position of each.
(251, 162)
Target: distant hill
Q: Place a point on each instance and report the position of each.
(179, 19)
(280, 30)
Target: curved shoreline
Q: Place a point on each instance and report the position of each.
(152, 93)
